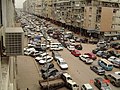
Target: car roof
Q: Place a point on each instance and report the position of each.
(85, 55)
(66, 74)
(88, 86)
(115, 75)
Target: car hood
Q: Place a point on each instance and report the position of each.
(105, 88)
(64, 65)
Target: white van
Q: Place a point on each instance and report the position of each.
(56, 46)
(72, 85)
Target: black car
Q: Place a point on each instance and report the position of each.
(97, 69)
(106, 55)
(64, 44)
(78, 47)
(95, 50)
(101, 84)
(114, 44)
(114, 53)
(93, 41)
(51, 72)
(46, 67)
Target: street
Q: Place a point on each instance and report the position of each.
(28, 72)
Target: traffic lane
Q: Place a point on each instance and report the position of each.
(79, 71)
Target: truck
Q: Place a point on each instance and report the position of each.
(53, 84)
(64, 80)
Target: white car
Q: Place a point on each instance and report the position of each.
(56, 46)
(118, 72)
(46, 59)
(86, 86)
(86, 59)
(27, 52)
(31, 49)
(44, 54)
(70, 47)
(31, 45)
(62, 64)
(72, 41)
(44, 45)
(113, 58)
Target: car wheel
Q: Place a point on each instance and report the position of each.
(105, 77)
(113, 83)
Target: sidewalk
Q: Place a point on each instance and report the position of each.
(28, 74)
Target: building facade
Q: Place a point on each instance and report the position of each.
(90, 17)
(7, 65)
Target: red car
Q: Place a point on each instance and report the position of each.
(91, 55)
(75, 52)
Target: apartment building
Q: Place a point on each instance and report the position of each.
(33, 6)
(89, 17)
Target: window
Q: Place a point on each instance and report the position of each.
(0, 12)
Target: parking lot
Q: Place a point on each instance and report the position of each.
(29, 70)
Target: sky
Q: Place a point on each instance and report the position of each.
(19, 3)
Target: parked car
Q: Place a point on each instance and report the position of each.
(117, 72)
(70, 47)
(97, 69)
(91, 55)
(101, 84)
(113, 58)
(76, 53)
(86, 86)
(115, 61)
(93, 41)
(27, 52)
(114, 53)
(84, 40)
(66, 76)
(113, 78)
(78, 46)
(36, 53)
(46, 67)
(105, 64)
(95, 50)
(114, 44)
(56, 55)
(86, 59)
(45, 60)
(56, 46)
(62, 64)
(100, 53)
(65, 44)
(117, 47)
(72, 41)
(52, 73)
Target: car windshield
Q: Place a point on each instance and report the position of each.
(63, 63)
(69, 78)
(109, 65)
(75, 85)
(100, 68)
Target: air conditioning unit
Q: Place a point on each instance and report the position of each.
(14, 41)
